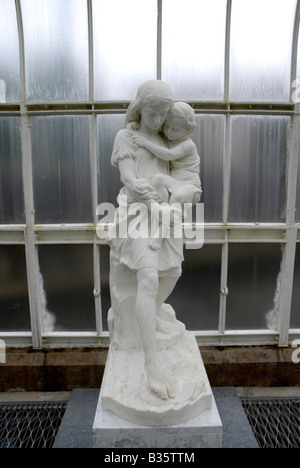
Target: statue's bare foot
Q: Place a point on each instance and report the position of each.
(157, 380)
(155, 243)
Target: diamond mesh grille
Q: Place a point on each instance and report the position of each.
(275, 422)
(30, 425)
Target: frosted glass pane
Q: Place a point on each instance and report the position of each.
(56, 49)
(193, 44)
(253, 284)
(196, 296)
(260, 52)
(61, 169)
(11, 185)
(14, 304)
(9, 53)
(66, 284)
(295, 314)
(124, 46)
(258, 169)
(209, 139)
(109, 183)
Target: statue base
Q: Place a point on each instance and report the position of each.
(126, 392)
(201, 431)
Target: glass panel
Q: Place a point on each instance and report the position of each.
(109, 183)
(9, 53)
(193, 44)
(124, 46)
(61, 167)
(295, 312)
(14, 304)
(196, 296)
(11, 185)
(56, 49)
(260, 49)
(67, 287)
(209, 139)
(254, 286)
(258, 169)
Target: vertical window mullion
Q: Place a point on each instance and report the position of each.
(30, 246)
(227, 52)
(226, 187)
(21, 50)
(94, 167)
(96, 248)
(286, 290)
(159, 40)
(227, 161)
(97, 289)
(289, 249)
(223, 287)
(295, 48)
(91, 49)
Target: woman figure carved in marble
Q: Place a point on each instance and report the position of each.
(157, 269)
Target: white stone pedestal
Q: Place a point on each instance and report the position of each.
(128, 415)
(126, 392)
(203, 431)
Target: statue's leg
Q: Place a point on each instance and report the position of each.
(147, 291)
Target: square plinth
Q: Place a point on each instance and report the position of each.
(203, 431)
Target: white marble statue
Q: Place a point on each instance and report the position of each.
(154, 372)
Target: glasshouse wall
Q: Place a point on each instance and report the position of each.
(69, 69)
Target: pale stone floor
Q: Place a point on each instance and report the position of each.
(76, 427)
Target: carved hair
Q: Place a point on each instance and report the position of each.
(150, 92)
(185, 112)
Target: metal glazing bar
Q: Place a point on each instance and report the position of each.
(227, 163)
(73, 108)
(96, 248)
(227, 52)
(289, 249)
(21, 50)
(236, 337)
(91, 49)
(97, 289)
(223, 288)
(29, 235)
(94, 166)
(286, 289)
(159, 41)
(295, 48)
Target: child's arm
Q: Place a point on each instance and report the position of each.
(167, 154)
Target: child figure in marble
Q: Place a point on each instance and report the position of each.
(183, 185)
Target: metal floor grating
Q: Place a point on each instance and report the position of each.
(30, 425)
(275, 422)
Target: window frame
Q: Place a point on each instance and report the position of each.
(32, 235)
